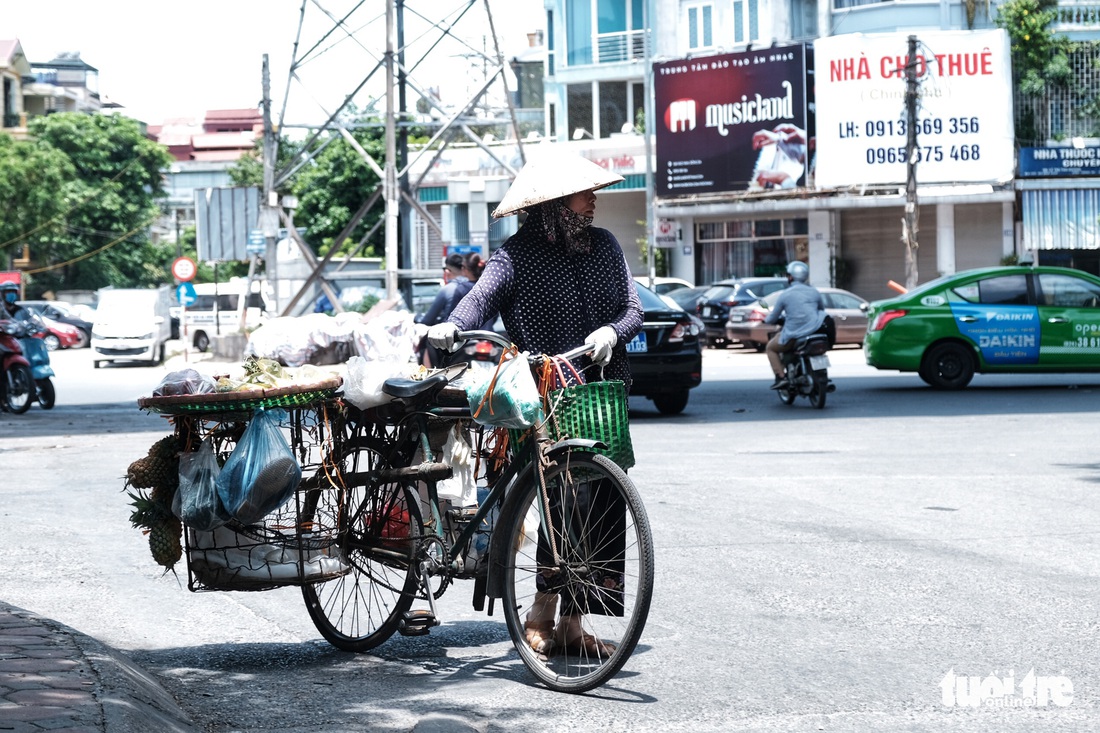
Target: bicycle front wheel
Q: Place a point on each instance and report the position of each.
(380, 526)
(599, 528)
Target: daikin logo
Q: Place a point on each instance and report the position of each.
(680, 115)
(1033, 691)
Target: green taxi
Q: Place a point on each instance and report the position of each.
(989, 320)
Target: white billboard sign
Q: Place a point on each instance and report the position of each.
(964, 114)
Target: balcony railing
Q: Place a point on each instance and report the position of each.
(622, 46)
(1083, 15)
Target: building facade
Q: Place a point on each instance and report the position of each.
(598, 74)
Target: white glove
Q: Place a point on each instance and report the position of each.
(443, 335)
(603, 339)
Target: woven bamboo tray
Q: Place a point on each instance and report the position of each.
(295, 395)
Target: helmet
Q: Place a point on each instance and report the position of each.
(551, 176)
(9, 291)
(799, 271)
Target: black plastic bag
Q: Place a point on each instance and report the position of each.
(196, 502)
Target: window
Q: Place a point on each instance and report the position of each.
(841, 301)
(637, 104)
(579, 109)
(700, 26)
(613, 109)
(578, 32)
(746, 248)
(461, 222)
(550, 43)
(842, 4)
(1006, 290)
(803, 20)
(619, 30)
(1064, 291)
(746, 21)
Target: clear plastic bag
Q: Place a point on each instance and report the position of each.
(509, 399)
(196, 502)
(184, 382)
(261, 473)
(363, 386)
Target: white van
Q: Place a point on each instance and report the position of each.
(217, 311)
(131, 325)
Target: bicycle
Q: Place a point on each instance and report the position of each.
(404, 544)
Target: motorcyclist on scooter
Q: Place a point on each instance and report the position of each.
(9, 291)
(802, 311)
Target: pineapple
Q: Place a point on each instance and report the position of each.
(164, 542)
(164, 529)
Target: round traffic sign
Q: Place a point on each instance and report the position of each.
(184, 268)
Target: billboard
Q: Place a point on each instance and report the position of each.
(733, 122)
(964, 113)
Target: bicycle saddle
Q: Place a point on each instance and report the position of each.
(401, 387)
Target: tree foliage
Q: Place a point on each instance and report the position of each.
(85, 198)
(330, 189)
(33, 185)
(1039, 55)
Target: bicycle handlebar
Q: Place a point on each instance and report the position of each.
(496, 338)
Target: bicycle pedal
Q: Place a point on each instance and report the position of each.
(417, 622)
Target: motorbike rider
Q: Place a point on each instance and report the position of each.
(9, 291)
(802, 311)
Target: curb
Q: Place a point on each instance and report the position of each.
(45, 656)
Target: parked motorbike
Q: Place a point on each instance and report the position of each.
(38, 355)
(17, 387)
(479, 354)
(807, 371)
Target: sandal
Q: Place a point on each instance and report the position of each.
(581, 642)
(540, 635)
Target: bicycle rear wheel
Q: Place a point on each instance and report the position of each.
(602, 535)
(380, 523)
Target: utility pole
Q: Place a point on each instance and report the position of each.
(909, 223)
(389, 186)
(648, 131)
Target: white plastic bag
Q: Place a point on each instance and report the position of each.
(363, 386)
(461, 488)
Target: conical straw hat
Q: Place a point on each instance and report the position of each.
(551, 176)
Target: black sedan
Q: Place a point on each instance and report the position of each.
(666, 358)
(714, 305)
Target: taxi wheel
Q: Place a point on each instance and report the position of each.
(947, 366)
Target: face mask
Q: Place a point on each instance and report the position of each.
(11, 297)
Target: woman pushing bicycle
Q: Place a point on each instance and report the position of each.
(558, 283)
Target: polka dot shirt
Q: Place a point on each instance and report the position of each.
(550, 301)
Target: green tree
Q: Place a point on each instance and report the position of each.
(329, 190)
(107, 200)
(1039, 55)
(32, 175)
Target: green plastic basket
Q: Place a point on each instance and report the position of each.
(598, 411)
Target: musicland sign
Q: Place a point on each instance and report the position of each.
(733, 122)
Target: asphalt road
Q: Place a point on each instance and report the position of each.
(816, 570)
